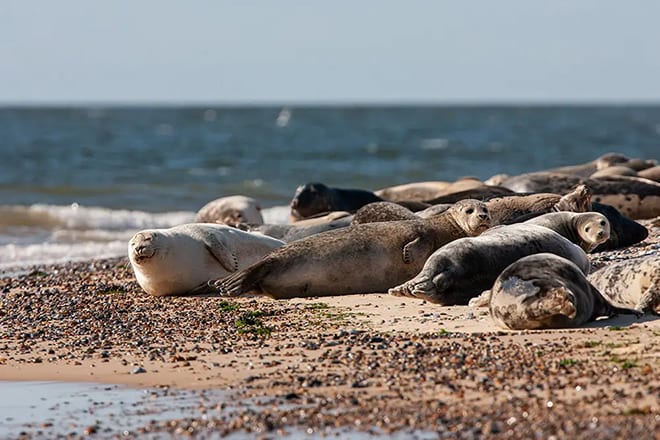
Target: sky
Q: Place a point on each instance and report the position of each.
(343, 51)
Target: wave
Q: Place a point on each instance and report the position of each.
(50, 234)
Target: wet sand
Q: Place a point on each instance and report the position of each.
(361, 363)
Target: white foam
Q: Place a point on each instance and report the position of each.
(49, 234)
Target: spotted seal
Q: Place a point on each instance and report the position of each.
(586, 229)
(546, 291)
(175, 261)
(466, 267)
(632, 283)
(365, 258)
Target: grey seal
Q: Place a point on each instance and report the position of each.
(546, 291)
(365, 258)
(466, 267)
(586, 229)
(175, 261)
(632, 283)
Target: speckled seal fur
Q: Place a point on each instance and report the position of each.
(631, 283)
(546, 291)
(464, 268)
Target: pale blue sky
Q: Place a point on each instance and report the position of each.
(149, 51)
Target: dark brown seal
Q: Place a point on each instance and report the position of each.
(315, 198)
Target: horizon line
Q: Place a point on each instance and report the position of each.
(331, 103)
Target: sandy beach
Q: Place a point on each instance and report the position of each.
(362, 363)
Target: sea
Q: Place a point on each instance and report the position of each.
(77, 182)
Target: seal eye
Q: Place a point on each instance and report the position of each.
(602, 222)
(469, 211)
(587, 229)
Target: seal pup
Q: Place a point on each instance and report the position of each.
(230, 210)
(365, 258)
(632, 283)
(546, 291)
(466, 267)
(315, 198)
(635, 197)
(175, 261)
(586, 229)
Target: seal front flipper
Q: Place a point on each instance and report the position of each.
(417, 250)
(221, 253)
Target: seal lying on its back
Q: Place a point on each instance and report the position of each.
(464, 268)
(546, 291)
(631, 283)
(364, 258)
(315, 198)
(230, 210)
(175, 261)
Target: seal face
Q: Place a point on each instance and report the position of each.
(464, 268)
(586, 229)
(315, 198)
(546, 291)
(177, 260)
(632, 283)
(364, 258)
(231, 210)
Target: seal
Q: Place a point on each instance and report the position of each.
(364, 258)
(635, 197)
(230, 210)
(482, 192)
(464, 268)
(615, 170)
(652, 173)
(416, 191)
(506, 209)
(586, 229)
(382, 212)
(319, 219)
(316, 198)
(632, 283)
(177, 260)
(600, 163)
(624, 232)
(289, 233)
(546, 291)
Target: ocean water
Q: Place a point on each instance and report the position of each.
(76, 183)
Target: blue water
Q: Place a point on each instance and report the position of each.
(125, 168)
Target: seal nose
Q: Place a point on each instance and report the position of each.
(294, 203)
(483, 216)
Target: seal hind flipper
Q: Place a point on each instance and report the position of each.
(242, 282)
(482, 300)
(417, 249)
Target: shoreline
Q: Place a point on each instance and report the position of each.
(358, 362)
